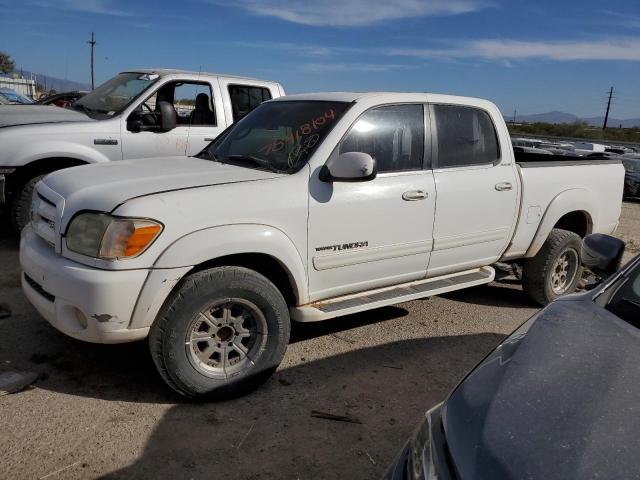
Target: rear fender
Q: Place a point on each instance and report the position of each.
(574, 200)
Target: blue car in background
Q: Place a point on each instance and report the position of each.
(14, 97)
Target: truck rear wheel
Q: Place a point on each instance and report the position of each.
(20, 207)
(222, 333)
(555, 270)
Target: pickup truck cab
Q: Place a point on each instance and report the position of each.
(310, 207)
(123, 118)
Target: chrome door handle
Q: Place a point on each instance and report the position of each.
(503, 186)
(414, 195)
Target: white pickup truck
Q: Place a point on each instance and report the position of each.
(310, 207)
(121, 119)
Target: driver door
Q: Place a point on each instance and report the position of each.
(156, 144)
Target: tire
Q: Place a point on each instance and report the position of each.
(198, 338)
(542, 275)
(20, 207)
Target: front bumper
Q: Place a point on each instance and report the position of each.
(85, 303)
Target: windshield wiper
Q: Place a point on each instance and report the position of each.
(257, 161)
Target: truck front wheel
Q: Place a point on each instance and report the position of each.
(555, 270)
(222, 333)
(20, 206)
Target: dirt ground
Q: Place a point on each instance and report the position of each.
(102, 411)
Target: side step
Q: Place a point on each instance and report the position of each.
(381, 297)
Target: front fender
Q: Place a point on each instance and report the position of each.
(211, 243)
(574, 200)
(60, 149)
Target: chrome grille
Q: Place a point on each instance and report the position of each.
(44, 217)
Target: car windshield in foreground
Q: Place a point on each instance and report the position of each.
(114, 95)
(278, 136)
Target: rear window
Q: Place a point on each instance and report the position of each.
(466, 137)
(245, 98)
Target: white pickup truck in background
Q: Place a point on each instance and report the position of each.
(310, 207)
(121, 119)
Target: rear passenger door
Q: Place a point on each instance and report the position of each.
(477, 190)
(364, 235)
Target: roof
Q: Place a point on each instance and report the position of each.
(384, 96)
(168, 71)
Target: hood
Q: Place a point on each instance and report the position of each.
(11, 115)
(557, 402)
(104, 186)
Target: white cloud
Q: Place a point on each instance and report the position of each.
(352, 12)
(354, 67)
(98, 7)
(623, 19)
(512, 50)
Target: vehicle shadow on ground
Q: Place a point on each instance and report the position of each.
(271, 433)
(497, 294)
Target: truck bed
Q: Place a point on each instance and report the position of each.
(536, 160)
(549, 179)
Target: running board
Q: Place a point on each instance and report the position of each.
(381, 297)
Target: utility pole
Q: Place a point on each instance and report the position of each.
(92, 42)
(606, 116)
(515, 113)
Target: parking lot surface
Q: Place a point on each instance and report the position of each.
(102, 411)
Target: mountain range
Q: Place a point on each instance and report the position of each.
(54, 83)
(563, 117)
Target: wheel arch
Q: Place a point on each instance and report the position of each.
(573, 210)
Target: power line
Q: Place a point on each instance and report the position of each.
(92, 42)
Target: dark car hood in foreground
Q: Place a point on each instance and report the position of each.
(561, 403)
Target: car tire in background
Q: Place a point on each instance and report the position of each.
(20, 206)
(556, 269)
(222, 333)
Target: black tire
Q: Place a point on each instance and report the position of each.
(175, 351)
(20, 206)
(538, 272)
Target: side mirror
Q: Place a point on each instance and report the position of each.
(168, 120)
(602, 254)
(135, 123)
(167, 116)
(349, 167)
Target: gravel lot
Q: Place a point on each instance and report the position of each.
(102, 411)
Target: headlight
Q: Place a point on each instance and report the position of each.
(100, 235)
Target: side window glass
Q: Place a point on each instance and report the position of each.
(245, 98)
(393, 135)
(626, 302)
(194, 104)
(466, 136)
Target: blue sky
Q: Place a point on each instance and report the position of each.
(533, 56)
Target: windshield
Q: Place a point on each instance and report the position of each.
(631, 165)
(279, 136)
(14, 96)
(114, 95)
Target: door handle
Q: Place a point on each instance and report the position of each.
(414, 195)
(209, 139)
(503, 186)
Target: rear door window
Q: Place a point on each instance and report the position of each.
(465, 137)
(245, 98)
